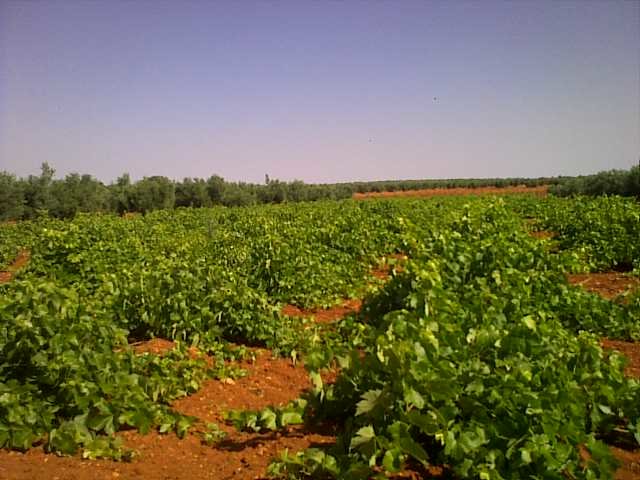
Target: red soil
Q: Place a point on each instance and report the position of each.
(20, 261)
(270, 381)
(328, 315)
(435, 192)
(609, 285)
(630, 463)
(629, 459)
(157, 346)
(631, 350)
(324, 315)
(542, 235)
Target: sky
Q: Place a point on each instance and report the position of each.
(322, 91)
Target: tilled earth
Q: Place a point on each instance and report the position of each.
(20, 261)
(541, 190)
(608, 285)
(269, 381)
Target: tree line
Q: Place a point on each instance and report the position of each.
(37, 195)
(611, 182)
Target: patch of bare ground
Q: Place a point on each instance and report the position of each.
(324, 315)
(631, 350)
(629, 463)
(436, 192)
(160, 346)
(623, 449)
(629, 456)
(418, 472)
(608, 285)
(20, 261)
(543, 235)
(611, 285)
(156, 346)
(269, 381)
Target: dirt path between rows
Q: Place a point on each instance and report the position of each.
(324, 315)
(611, 285)
(20, 261)
(608, 284)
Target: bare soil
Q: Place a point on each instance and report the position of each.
(542, 235)
(629, 458)
(270, 381)
(630, 463)
(324, 315)
(156, 346)
(611, 285)
(20, 261)
(608, 285)
(436, 192)
(631, 350)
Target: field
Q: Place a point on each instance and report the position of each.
(491, 337)
(456, 191)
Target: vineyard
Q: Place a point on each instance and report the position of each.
(467, 343)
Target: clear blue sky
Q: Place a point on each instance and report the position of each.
(321, 91)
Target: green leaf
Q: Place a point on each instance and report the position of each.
(392, 460)
(363, 436)
(530, 322)
(268, 419)
(368, 402)
(291, 418)
(413, 398)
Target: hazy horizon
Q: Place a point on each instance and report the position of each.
(324, 92)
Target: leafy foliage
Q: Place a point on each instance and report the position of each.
(270, 418)
(475, 362)
(603, 232)
(611, 182)
(477, 353)
(34, 196)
